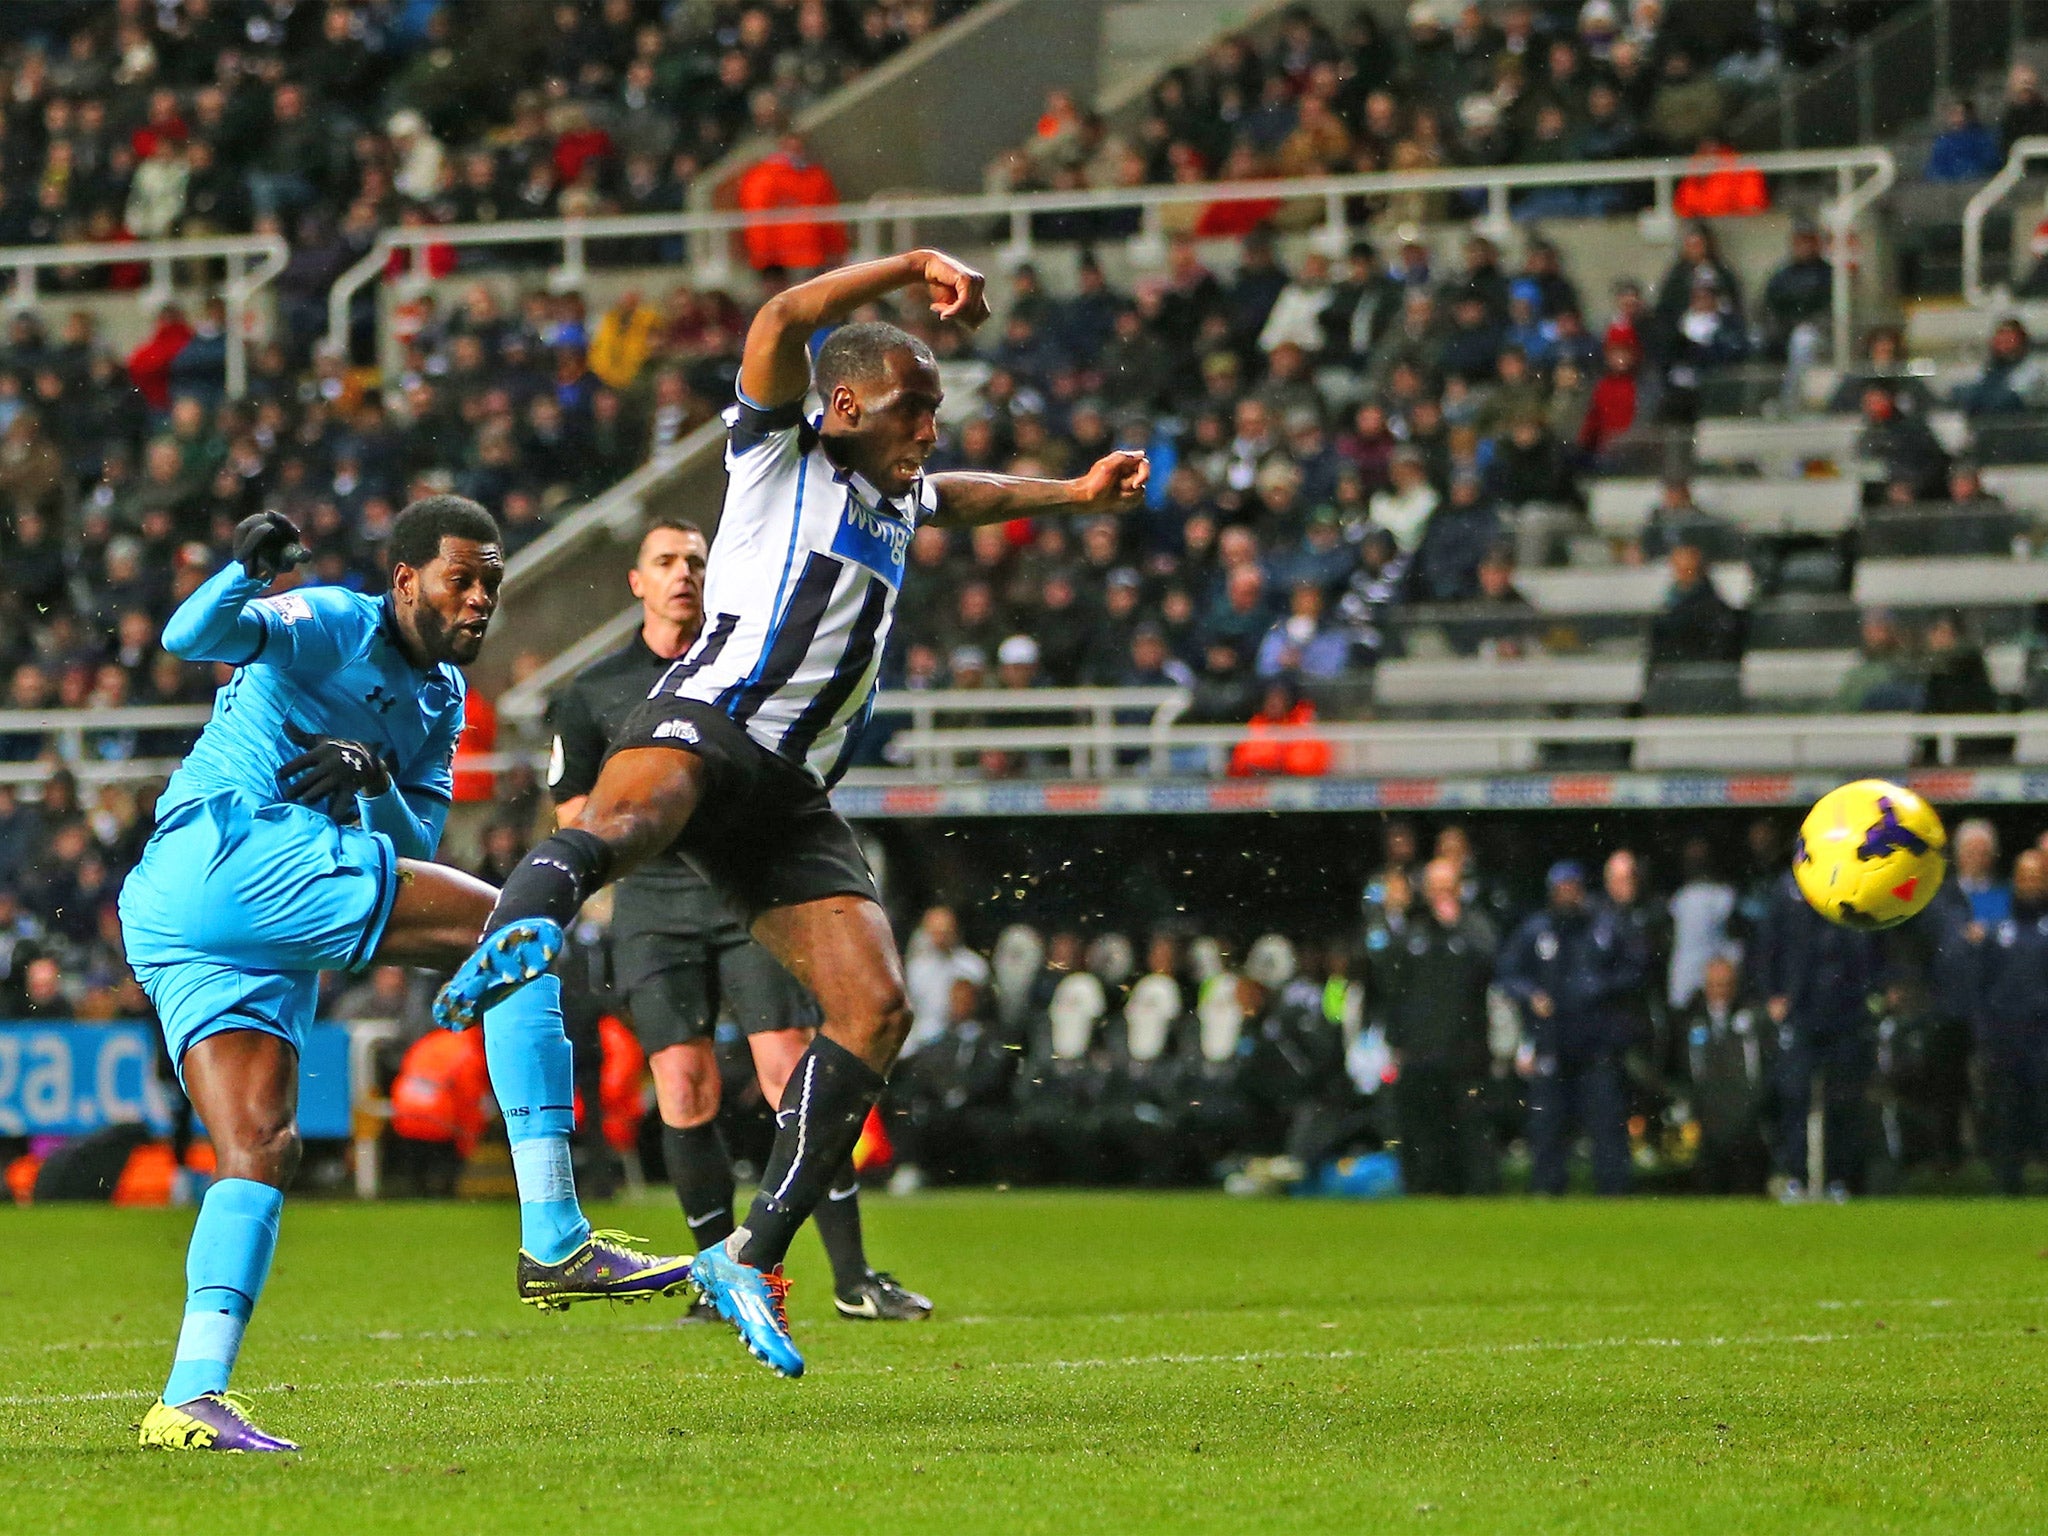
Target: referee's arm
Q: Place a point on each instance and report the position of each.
(776, 367)
(578, 752)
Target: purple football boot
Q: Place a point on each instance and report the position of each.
(213, 1421)
(603, 1269)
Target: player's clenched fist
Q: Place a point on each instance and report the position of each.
(268, 544)
(956, 289)
(330, 771)
(1115, 482)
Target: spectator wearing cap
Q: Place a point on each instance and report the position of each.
(1571, 968)
(1017, 663)
(967, 667)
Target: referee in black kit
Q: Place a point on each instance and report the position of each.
(680, 957)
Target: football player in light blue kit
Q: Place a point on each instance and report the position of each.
(294, 839)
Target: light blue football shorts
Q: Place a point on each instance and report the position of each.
(237, 907)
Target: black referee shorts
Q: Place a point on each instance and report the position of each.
(764, 834)
(677, 987)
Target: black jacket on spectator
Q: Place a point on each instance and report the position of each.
(1721, 1063)
(1958, 683)
(1697, 624)
(1591, 964)
(1431, 984)
(2012, 1012)
(1825, 972)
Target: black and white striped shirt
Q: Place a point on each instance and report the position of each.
(799, 593)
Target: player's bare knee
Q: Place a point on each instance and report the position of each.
(877, 1017)
(687, 1088)
(266, 1151)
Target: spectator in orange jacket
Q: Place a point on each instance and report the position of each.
(479, 738)
(1721, 188)
(1264, 753)
(437, 1107)
(789, 178)
(621, 1082)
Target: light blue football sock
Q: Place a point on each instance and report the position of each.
(534, 1078)
(225, 1267)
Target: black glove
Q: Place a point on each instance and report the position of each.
(268, 544)
(331, 772)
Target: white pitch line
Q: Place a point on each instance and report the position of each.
(1022, 1319)
(1127, 1362)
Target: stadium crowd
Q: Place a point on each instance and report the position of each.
(1461, 85)
(323, 120)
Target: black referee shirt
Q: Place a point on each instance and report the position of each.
(665, 893)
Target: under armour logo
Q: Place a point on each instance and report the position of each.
(380, 700)
(1888, 836)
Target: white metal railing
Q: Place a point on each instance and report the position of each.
(1989, 196)
(69, 730)
(1126, 733)
(1862, 175)
(1728, 742)
(269, 254)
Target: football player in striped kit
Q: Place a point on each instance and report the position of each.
(730, 759)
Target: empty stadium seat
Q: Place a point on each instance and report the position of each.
(1533, 683)
(1693, 688)
(1940, 529)
(1624, 589)
(1930, 583)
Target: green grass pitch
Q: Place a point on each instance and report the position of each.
(1100, 1363)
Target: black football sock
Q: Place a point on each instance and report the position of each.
(702, 1172)
(554, 880)
(828, 1098)
(837, 1219)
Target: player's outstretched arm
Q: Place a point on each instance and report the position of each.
(776, 367)
(1114, 484)
(216, 622)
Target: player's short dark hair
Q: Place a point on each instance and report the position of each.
(417, 532)
(859, 353)
(674, 523)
